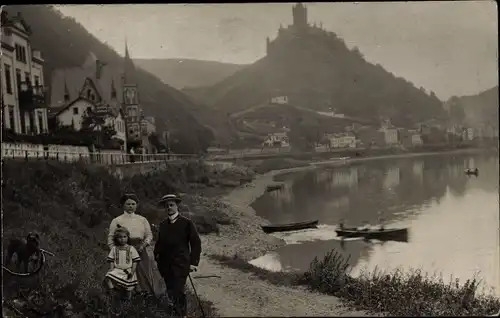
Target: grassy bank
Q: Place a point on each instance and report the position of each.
(397, 294)
(71, 205)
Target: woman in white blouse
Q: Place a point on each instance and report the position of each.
(140, 237)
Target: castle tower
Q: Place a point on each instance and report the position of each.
(299, 12)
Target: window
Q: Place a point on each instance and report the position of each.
(18, 77)
(11, 115)
(88, 93)
(37, 80)
(27, 77)
(8, 79)
(75, 111)
(20, 53)
(40, 121)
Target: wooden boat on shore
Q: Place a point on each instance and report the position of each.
(390, 234)
(274, 187)
(290, 226)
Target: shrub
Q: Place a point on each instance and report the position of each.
(397, 294)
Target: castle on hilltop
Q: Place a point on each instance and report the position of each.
(300, 27)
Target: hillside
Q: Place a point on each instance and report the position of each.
(66, 43)
(315, 69)
(481, 108)
(188, 73)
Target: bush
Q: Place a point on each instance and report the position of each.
(70, 206)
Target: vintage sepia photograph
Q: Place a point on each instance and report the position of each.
(250, 159)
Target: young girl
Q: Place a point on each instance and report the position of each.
(123, 260)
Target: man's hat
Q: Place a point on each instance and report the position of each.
(169, 197)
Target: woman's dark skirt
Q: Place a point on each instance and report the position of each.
(149, 277)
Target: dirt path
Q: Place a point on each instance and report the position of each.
(239, 294)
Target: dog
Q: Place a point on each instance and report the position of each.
(24, 249)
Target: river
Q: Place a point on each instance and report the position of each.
(453, 219)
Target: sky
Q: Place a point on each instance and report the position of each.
(448, 47)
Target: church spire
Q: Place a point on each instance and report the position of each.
(127, 56)
(128, 67)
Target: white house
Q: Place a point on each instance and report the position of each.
(282, 100)
(280, 138)
(416, 138)
(390, 135)
(341, 140)
(22, 86)
(74, 112)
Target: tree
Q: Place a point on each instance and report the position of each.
(155, 141)
(94, 124)
(457, 112)
(304, 135)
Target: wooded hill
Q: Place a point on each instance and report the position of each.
(477, 109)
(66, 43)
(315, 69)
(188, 73)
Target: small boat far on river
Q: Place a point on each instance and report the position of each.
(472, 172)
(290, 226)
(378, 234)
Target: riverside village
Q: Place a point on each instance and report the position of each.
(324, 159)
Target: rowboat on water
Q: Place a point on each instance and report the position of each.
(472, 172)
(378, 234)
(290, 226)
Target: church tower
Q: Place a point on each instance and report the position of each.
(131, 106)
(299, 12)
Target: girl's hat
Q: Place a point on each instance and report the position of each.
(169, 197)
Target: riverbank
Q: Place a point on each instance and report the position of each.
(239, 293)
(229, 255)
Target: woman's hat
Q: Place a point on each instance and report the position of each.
(169, 197)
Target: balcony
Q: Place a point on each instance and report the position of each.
(31, 97)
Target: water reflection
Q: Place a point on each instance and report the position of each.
(453, 218)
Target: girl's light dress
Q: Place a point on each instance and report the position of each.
(123, 257)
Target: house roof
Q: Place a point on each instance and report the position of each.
(55, 111)
(16, 21)
(73, 79)
(101, 110)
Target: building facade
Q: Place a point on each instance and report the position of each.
(148, 125)
(24, 107)
(113, 86)
(341, 140)
(277, 138)
(281, 100)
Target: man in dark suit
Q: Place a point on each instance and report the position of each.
(177, 251)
